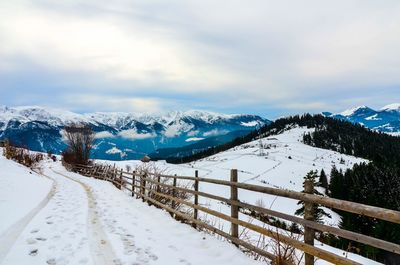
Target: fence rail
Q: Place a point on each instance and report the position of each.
(150, 188)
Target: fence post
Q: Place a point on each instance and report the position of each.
(196, 197)
(234, 208)
(174, 194)
(143, 184)
(309, 209)
(133, 183)
(159, 181)
(121, 179)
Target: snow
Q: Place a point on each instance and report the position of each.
(250, 124)
(194, 139)
(16, 180)
(351, 111)
(173, 121)
(373, 118)
(394, 106)
(285, 162)
(89, 221)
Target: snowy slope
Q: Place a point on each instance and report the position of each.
(16, 180)
(87, 221)
(283, 164)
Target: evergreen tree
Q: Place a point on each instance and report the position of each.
(323, 180)
(318, 211)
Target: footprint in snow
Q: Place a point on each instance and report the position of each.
(184, 262)
(51, 262)
(33, 252)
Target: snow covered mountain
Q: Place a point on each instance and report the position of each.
(385, 120)
(122, 135)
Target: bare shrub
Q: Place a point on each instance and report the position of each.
(80, 139)
(21, 155)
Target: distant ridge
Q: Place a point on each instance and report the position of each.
(122, 135)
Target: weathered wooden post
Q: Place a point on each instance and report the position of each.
(309, 209)
(121, 179)
(234, 208)
(133, 183)
(159, 181)
(143, 184)
(174, 193)
(196, 196)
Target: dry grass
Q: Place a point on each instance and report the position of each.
(21, 155)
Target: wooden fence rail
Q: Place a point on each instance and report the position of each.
(156, 189)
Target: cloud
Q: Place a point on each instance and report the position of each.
(259, 56)
(132, 134)
(115, 102)
(215, 132)
(103, 134)
(193, 133)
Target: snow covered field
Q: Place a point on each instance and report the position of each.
(283, 164)
(79, 220)
(87, 221)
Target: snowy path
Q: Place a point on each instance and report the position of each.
(102, 253)
(88, 221)
(58, 233)
(144, 235)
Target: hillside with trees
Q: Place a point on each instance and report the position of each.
(376, 183)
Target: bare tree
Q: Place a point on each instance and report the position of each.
(80, 139)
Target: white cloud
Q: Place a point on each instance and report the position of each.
(194, 139)
(260, 53)
(193, 133)
(103, 134)
(115, 103)
(132, 134)
(215, 132)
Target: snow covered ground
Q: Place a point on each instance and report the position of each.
(80, 220)
(282, 163)
(87, 221)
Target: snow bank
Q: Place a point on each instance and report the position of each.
(21, 190)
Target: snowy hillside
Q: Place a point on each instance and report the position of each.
(283, 163)
(86, 221)
(123, 135)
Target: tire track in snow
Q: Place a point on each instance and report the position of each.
(102, 252)
(10, 236)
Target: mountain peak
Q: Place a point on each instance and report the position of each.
(351, 111)
(394, 106)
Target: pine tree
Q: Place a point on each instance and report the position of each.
(318, 211)
(323, 180)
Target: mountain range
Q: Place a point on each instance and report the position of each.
(386, 120)
(121, 136)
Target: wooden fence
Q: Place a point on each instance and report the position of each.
(153, 188)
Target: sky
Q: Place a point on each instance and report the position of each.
(271, 58)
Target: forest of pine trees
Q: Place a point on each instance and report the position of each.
(376, 183)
